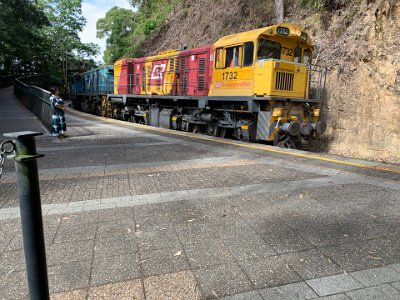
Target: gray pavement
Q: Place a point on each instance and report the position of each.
(136, 213)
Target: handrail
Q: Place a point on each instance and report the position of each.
(6, 81)
(35, 99)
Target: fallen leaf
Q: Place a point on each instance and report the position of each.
(178, 253)
(215, 294)
(374, 257)
(129, 230)
(137, 225)
(191, 220)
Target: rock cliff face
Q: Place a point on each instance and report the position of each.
(359, 44)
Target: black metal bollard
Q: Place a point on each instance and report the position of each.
(31, 212)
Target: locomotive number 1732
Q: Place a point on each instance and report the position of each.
(229, 75)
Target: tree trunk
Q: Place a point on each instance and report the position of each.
(279, 11)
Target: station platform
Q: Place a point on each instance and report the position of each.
(135, 212)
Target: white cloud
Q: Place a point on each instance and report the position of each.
(93, 10)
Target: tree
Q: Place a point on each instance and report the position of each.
(20, 38)
(64, 44)
(117, 26)
(279, 11)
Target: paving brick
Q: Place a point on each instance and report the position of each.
(157, 239)
(291, 291)
(130, 289)
(357, 256)
(269, 272)
(333, 284)
(384, 292)
(250, 246)
(161, 261)
(311, 264)
(396, 267)
(202, 255)
(13, 285)
(77, 294)
(335, 297)
(12, 261)
(376, 276)
(69, 252)
(396, 285)
(114, 246)
(254, 295)
(70, 276)
(222, 280)
(287, 241)
(115, 268)
(176, 286)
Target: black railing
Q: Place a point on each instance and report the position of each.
(6, 81)
(34, 98)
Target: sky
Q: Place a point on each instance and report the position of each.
(93, 10)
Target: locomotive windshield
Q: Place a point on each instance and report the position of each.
(268, 49)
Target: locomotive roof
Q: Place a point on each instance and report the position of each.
(247, 36)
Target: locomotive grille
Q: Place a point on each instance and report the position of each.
(201, 83)
(202, 66)
(182, 64)
(173, 66)
(284, 81)
(182, 71)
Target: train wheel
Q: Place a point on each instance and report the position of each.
(222, 132)
(196, 128)
(212, 130)
(226, 132)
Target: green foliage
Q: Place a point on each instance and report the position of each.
(41, 36)
(117, 27)
(325, 5)
(125, 41)
(20, 38)
(64, 46)
(149, 26)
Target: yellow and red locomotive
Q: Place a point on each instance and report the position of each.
(258, 85)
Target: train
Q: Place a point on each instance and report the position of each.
(257, 86)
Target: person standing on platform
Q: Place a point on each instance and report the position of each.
(58, 108)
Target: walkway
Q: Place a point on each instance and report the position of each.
(136, 213)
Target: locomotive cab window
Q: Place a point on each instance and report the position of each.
(232, 57)
(268, 49)
(248, 54)
(297, 54)
(307, 56)
(219, 58)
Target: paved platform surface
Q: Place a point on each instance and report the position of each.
(134, 213)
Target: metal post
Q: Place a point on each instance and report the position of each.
(31, 212)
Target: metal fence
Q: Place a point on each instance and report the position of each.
(6, 81)
(34, 98)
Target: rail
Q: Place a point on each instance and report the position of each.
(34, 98)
